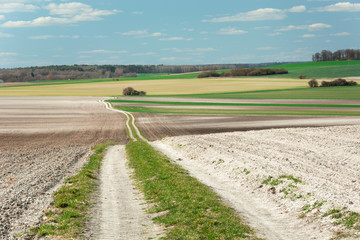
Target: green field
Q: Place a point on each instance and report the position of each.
(345, 93)
(286, 86)
(277, 112)
(333, 69)
(235, 104)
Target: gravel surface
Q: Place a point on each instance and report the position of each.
(27, 180)
(42, 141)
(325, 159)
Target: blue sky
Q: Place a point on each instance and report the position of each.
(54, 32)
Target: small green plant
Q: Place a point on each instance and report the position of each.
(271, 181)
(72, 201)
(310, 207)
(247, 172)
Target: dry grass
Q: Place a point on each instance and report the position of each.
(156, 87)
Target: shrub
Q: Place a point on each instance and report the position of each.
(129, 91)
(208, 74)
(338, 82)
(302, 77)
(313, 83)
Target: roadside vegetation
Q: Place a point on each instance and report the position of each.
(187, 208)
(72, 201)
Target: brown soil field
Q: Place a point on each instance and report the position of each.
(158, 126)
(42, 141)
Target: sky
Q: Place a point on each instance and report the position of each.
(57, 32)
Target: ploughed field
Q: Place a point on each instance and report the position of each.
(160, 117)
(42, 141)
(45, 139)
(295, 183)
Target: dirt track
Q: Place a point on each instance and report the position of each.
(43, 140)
(326, 160)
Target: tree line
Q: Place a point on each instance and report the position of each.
(339, 55)
(72, 72)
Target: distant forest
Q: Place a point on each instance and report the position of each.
(339, 55)
(70, 72)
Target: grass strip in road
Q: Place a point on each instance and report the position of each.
(277, 112)
(72, 201)
(235, 104)
(343, 93)
(191, 210)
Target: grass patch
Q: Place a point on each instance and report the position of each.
(234, 104)
(193, 211)
(72, 201)
(331, 69)
(299, 112)
(345, 93)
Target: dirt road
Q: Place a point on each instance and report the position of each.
(120, 213)
(42, 141)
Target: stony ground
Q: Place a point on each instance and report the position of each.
(326, 160)
(42, 141)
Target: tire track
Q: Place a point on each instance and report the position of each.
(130, 122)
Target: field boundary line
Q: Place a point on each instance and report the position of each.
(128, 123)
(109, 107)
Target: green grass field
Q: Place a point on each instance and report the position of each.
(286, 86)
(234, 104)
(333, 69)
(277, 112)
(345, 93)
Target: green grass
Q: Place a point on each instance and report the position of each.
(234, 104)
(345, 93)
(143, 76)
(332, 69)
(72, 201)
(191, 210)
(161, 110)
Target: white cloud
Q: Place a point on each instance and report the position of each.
(231, 31)
(274, 34)
(188, 29)
(198, 50)
(143, 54)
(68, 13)
(5, 54)
(166, 59)
(5, 35)
(311, 27)
(137, 13)
(2, 17)
(175, 39)
(298, 9)
(317, 26)
(142, 34)
(256, 15)
(44, 37)
(99, 51)
(265, 48)
(308, 36)
(341, 34)
(340, 7)
(17, 7)
(135, 32)
(328, 41)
